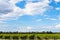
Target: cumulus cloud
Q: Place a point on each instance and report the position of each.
(4, 7)
(36, 8)
(9, 10)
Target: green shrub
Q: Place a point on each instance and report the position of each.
(31, 37)
(23, 37)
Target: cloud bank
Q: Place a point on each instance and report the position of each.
(9, 10)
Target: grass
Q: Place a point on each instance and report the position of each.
(43, 36)
(50, 36)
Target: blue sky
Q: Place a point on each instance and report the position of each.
(30, 15)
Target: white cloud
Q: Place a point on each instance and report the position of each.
(47, 27)
(29, 28)
(35, 8)
(5, 7)
(58, 17)
(3, 27)
(57, 26)
(11, 11)
(25, 29)
(51, 18)
(57, 8)
(57, 0)
(38, 20)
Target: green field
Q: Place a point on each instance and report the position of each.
(30, 36)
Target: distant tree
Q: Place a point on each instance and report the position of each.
(43, 32)
(49, 32)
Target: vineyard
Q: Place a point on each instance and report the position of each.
(30, 36)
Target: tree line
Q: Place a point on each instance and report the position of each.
(43, 32)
